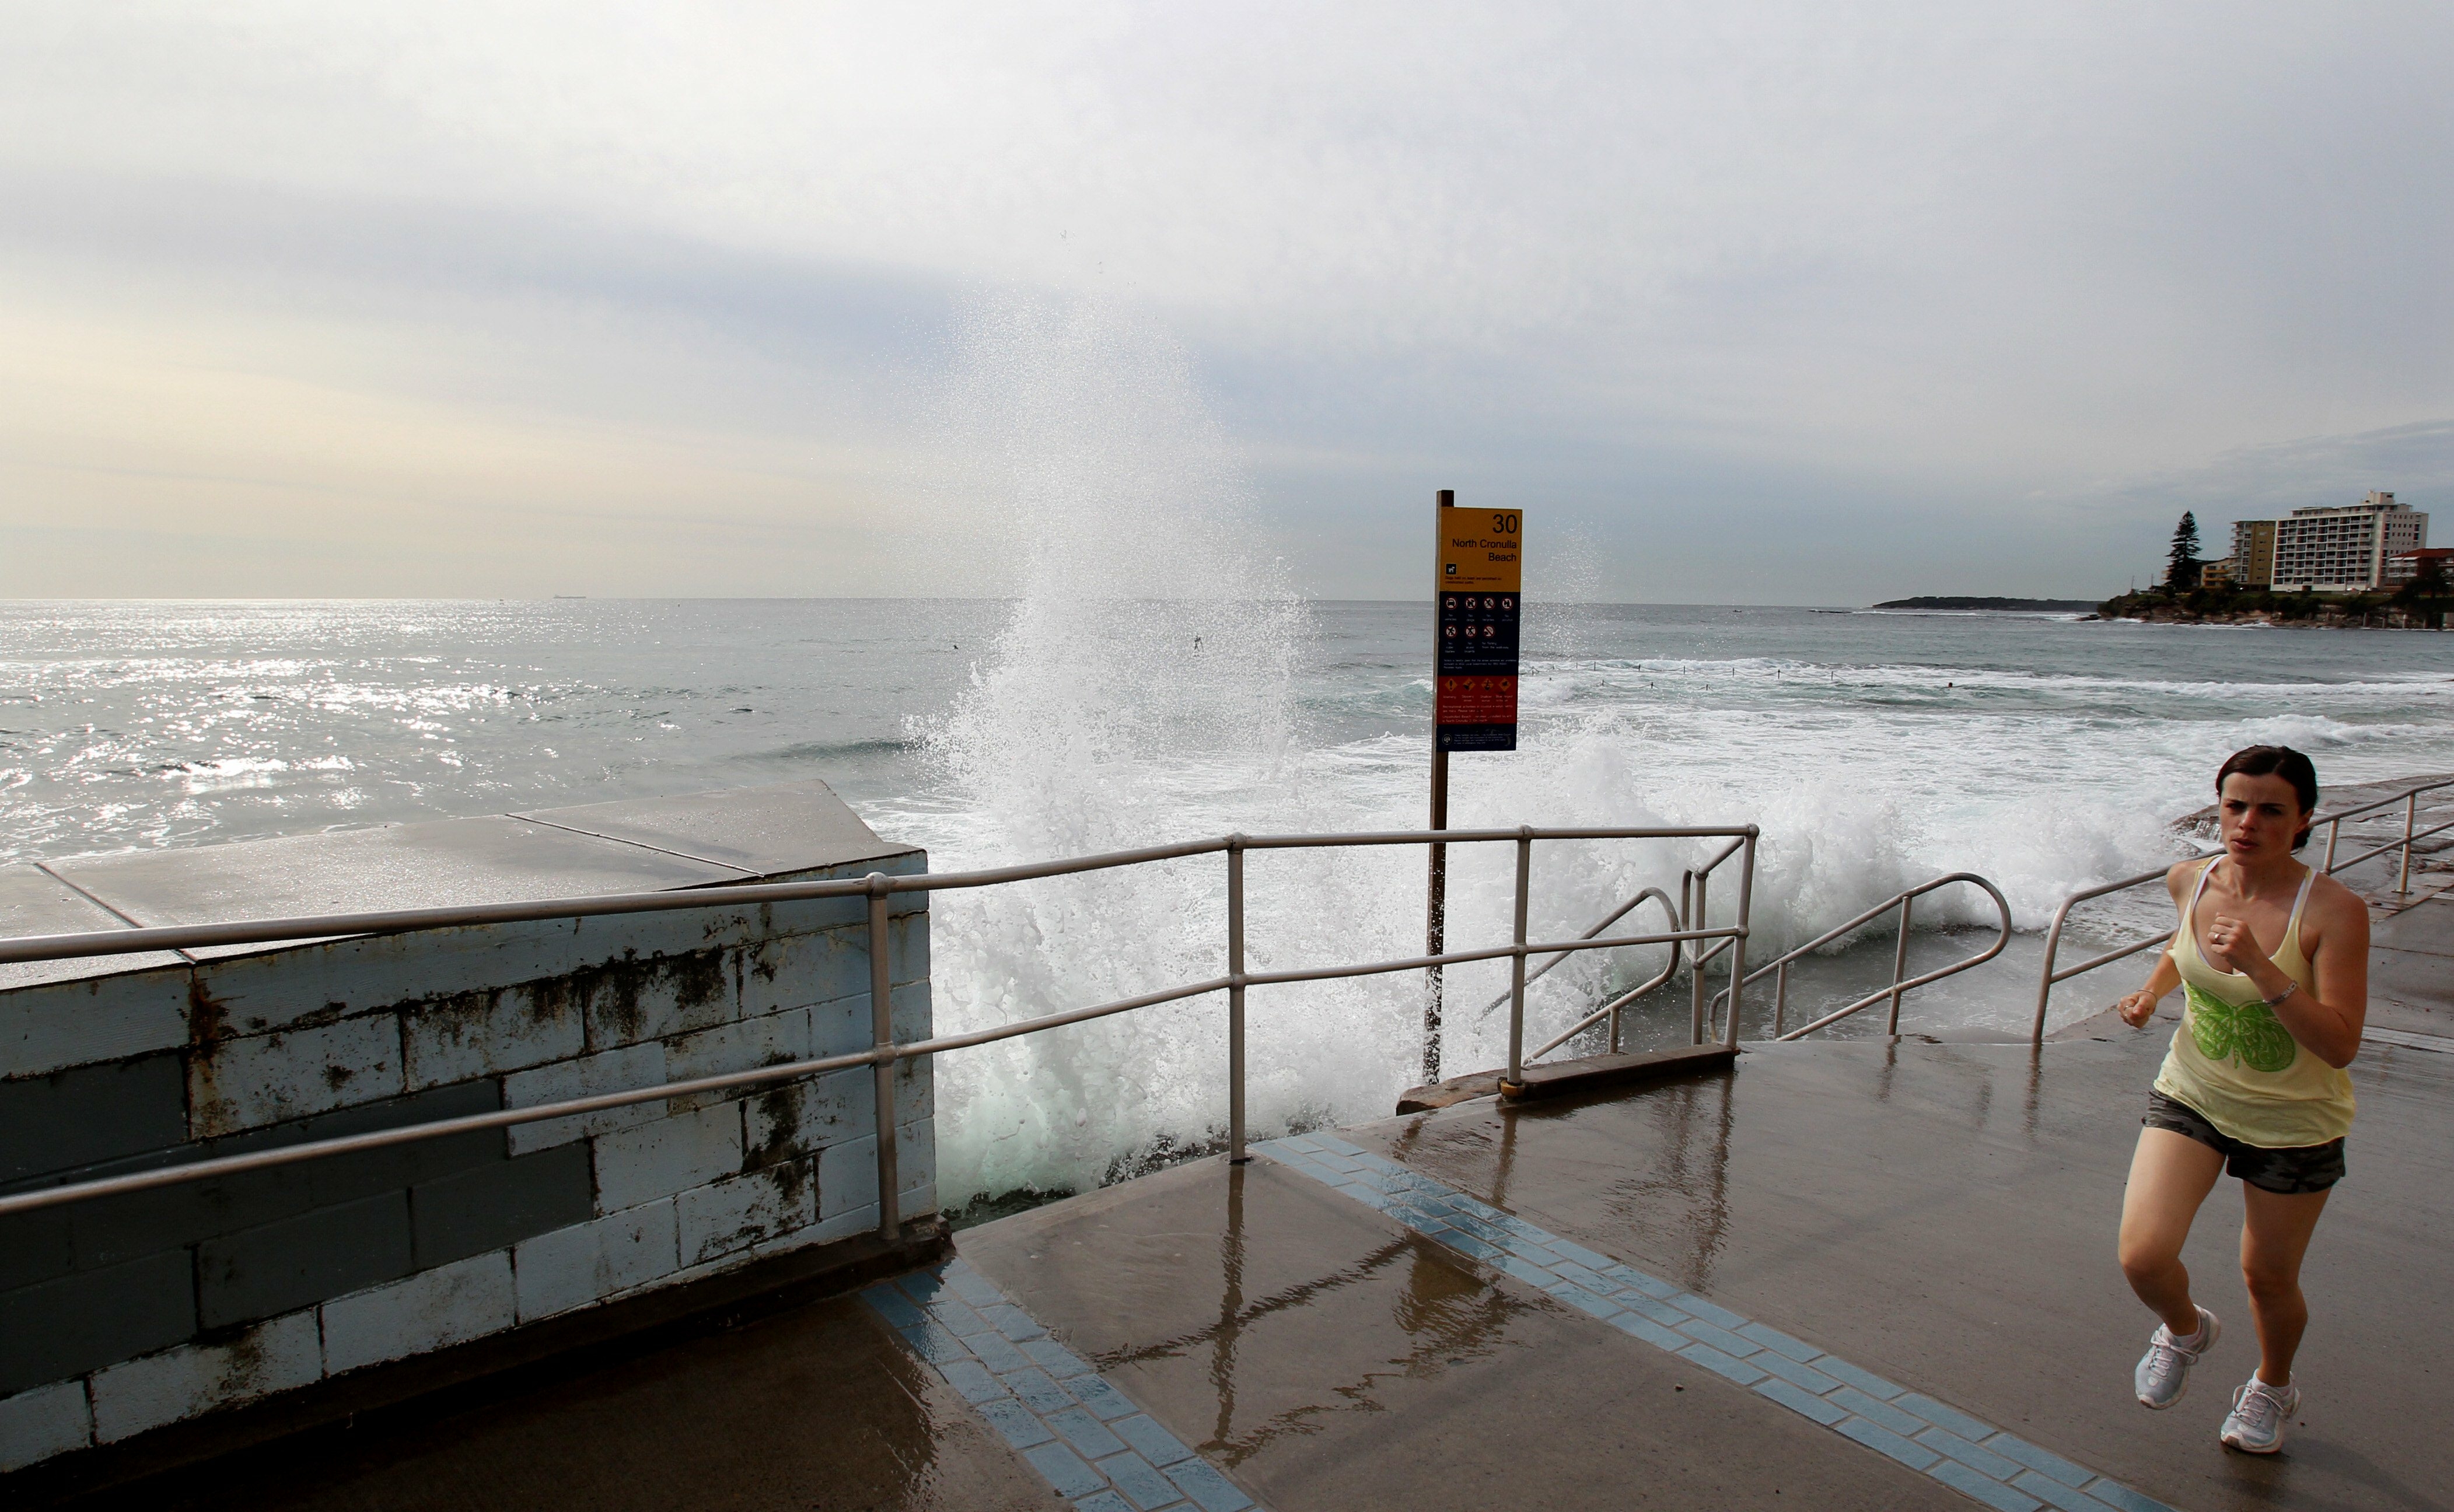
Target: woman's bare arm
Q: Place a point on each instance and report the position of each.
(2140, 1006)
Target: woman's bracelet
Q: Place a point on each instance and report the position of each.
(2278, 1000)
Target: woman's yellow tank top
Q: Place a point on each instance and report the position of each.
(2233, 1060)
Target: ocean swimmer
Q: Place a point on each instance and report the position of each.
(2254, 1085)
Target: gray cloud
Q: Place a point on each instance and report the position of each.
(1768, 302)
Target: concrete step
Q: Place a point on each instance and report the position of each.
(1586, 1073)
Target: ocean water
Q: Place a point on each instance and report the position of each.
(1873, 749)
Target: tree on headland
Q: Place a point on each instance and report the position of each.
(2181, 561)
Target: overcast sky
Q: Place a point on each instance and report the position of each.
(1759, 303)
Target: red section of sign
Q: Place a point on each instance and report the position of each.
(1477, 700)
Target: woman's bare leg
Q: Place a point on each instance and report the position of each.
(2273, 1237)
(2170, 1174)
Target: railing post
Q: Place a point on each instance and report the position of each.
(2045, 983)
(2410, 812)
(1697, 958)
(881, 1033)
(1899, 963)
(1236, 1155)
(2334, 833)
(1739, 945)
(1779, 999)
(1517, 961)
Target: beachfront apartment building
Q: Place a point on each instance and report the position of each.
(2332, 548)
(2253, 553)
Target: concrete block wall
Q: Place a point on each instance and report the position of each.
(124, 1314)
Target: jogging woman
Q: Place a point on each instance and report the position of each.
(2272, 961)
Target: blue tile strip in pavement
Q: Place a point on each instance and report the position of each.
(1966, 1453)
(1085, 1437)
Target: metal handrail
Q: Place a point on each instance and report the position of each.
(2049, 977)
(2359, 809)
(2410, 815)
(1778, 967)
(884, 1051)
(1600, 924)
(1610, 1009)
(2054, 943)
(1691, 890)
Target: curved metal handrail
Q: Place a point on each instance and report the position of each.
(1604, 922)
(1779, 965)
(2054, 943)
(1900, 958)
(1610, 1009)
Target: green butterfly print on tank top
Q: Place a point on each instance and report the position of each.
(2251, 1036)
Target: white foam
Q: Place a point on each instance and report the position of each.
(1142, 688)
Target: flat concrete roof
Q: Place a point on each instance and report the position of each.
(32, 901)
(763, 831)
(636, 845)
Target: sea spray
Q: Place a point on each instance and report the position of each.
(1147, 687)
(1143, 689)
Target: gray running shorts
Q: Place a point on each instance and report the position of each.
(2290, 1172)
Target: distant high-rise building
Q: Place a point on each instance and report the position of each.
(2253, 553)
(2345, 549)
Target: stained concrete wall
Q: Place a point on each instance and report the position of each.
(124, 1314)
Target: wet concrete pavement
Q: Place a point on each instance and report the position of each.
(1941, 1214)
(1327, 1359)
(1944, 1214)
(2411, 969)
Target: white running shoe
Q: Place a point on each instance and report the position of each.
(2258, 1410)
(2164, 1373)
